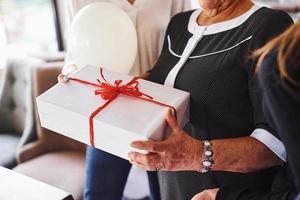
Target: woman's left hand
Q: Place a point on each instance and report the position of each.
(180, 152)
(210, 194)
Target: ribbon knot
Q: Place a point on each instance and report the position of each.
(108, 91)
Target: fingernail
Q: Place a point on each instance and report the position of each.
(133, 144)
(171, 111)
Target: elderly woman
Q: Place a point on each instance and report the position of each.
(227, 143)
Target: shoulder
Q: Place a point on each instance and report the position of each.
(181, 20)
(265, 24)
(269, 13)
(183, 15)
(267, 18)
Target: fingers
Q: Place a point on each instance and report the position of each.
(209, 194)
(197, 197)
(150, 146)
(149, 162)
(201, 196)
(145, 76)
(143, 167)
(172, 121)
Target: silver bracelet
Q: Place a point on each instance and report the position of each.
(207, 154)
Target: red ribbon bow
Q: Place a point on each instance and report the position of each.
(109, 92)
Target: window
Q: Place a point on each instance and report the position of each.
(27, 27)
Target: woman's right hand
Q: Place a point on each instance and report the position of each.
(179, 152)
(209, 194)
(145, 76)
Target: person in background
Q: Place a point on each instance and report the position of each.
(228, 142)
(106, 174)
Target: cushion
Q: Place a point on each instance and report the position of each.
(64, 170)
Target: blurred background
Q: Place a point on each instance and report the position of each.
(37, 26)
(32, 50)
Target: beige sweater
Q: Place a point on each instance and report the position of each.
(151, 18)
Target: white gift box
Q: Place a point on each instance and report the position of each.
(66, 107)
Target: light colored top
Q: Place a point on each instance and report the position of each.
(199, 32)
(150, 17)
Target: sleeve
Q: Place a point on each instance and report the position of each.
(269, 28)
(227, 193)
(180, 6)
(282, 189)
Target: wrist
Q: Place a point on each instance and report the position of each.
(196, 165)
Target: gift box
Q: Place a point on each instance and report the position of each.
(109, 110)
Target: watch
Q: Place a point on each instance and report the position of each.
(206, 161)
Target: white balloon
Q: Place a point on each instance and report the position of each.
(102, 34)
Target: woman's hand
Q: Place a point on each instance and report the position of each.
(210, 194)
(177, 153)
(145, 76)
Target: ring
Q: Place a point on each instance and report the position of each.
(62, 78)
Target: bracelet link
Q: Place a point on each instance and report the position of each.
(207, 154)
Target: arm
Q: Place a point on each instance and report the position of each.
(262, 149)
(275, 97)
(246, 154)
(181, 152)
(227, 193)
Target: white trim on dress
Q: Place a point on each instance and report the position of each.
(208, 54)
(274, 144)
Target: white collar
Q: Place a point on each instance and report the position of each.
(194, 28)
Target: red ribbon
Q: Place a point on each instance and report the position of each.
(109, 92)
